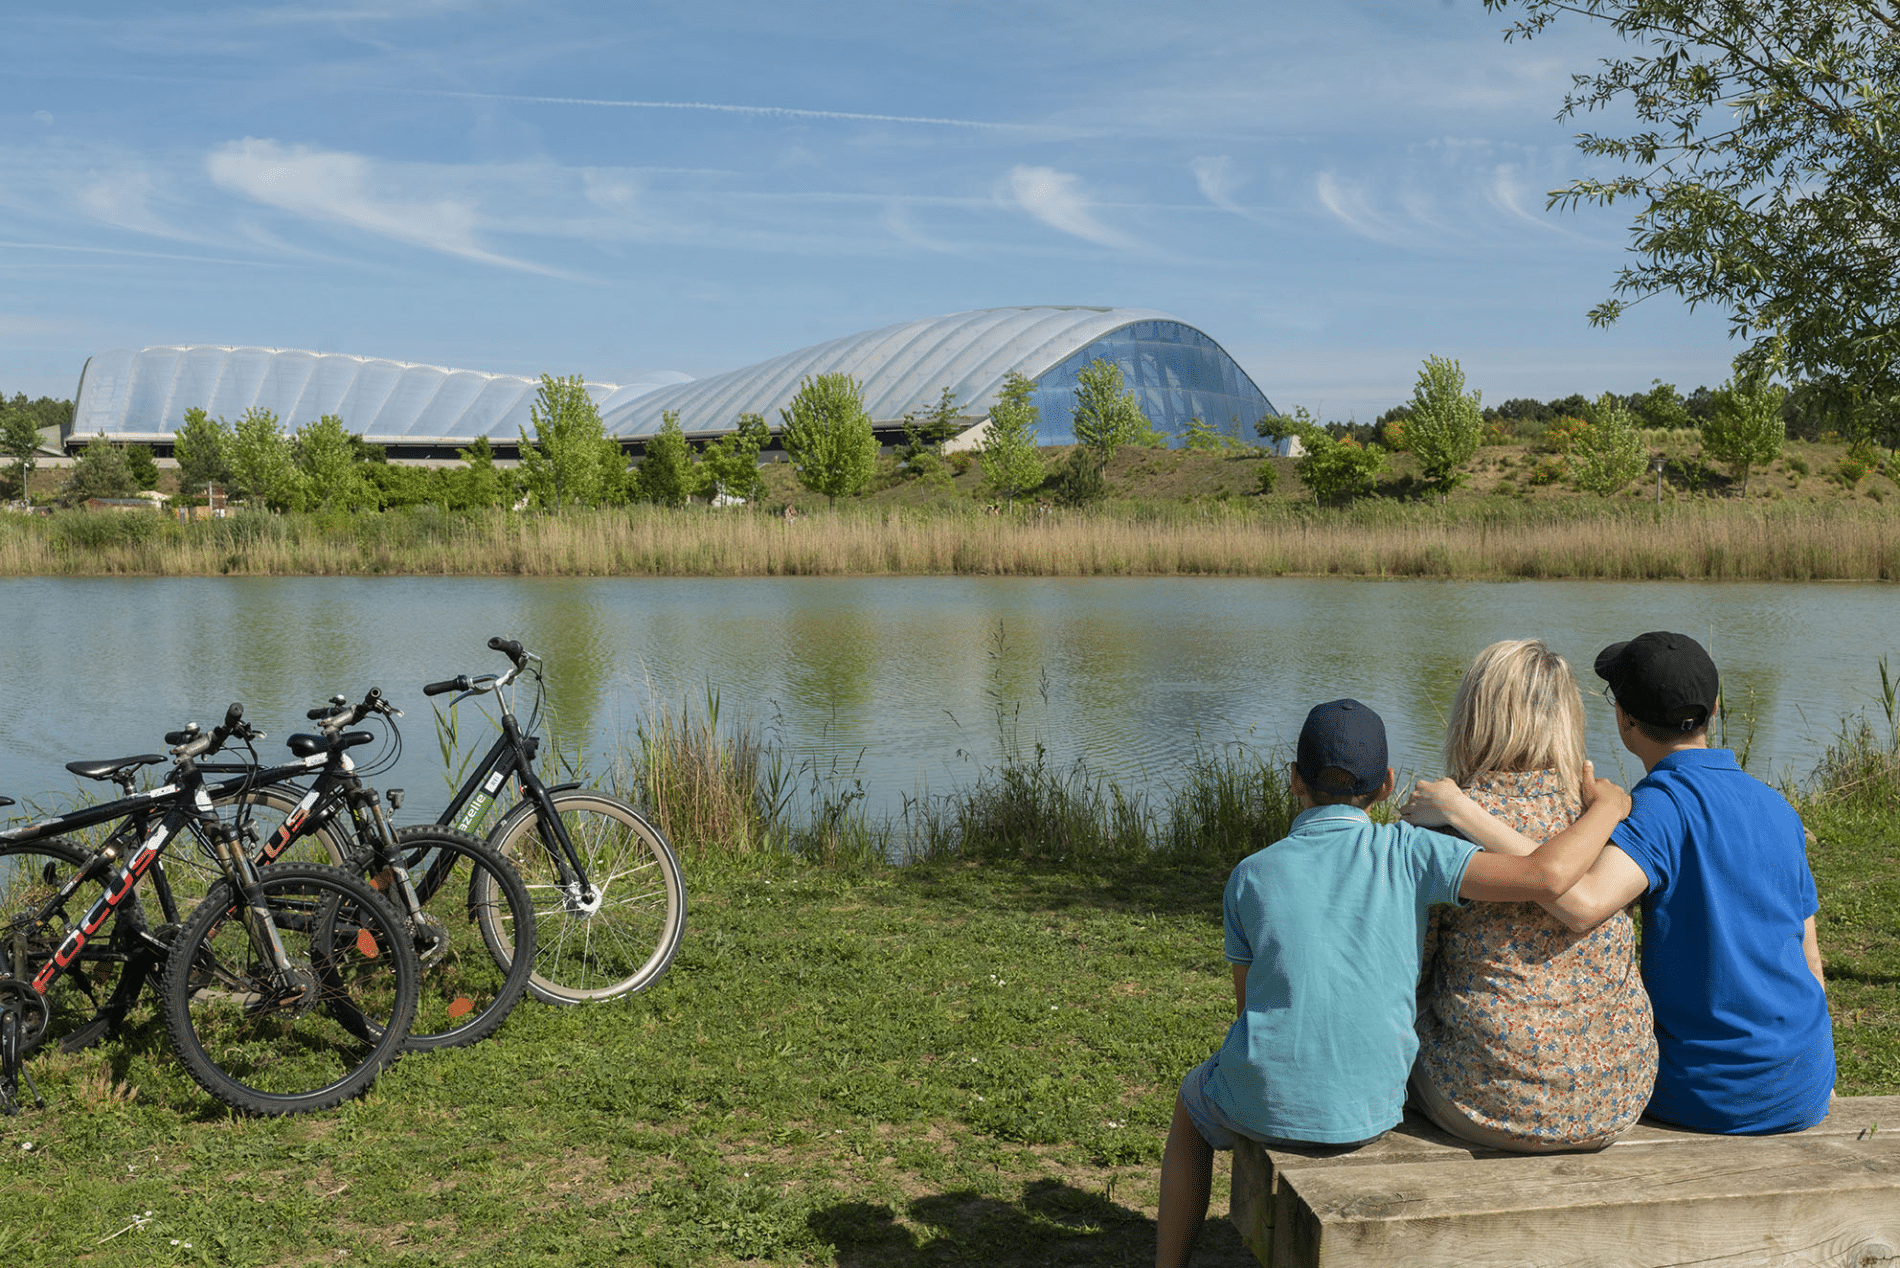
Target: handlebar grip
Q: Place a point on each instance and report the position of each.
(447, 684)
(321, 712)
(507, 647)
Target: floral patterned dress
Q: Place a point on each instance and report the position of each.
(1529, 1030)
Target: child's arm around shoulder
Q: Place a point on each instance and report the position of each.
(1544, 874)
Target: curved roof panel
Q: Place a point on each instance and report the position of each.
(902, 367)
(143, 395)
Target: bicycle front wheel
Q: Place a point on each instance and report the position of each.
(270, 1042)
(475, 935)
(621, 935)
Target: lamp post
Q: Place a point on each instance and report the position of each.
(1656, 464)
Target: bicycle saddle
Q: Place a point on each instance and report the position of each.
(112, 766)
(304, 744)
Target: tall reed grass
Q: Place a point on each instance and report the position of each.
(726, 796)
(1497, 539)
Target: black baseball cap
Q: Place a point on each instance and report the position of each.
(1345, 734)
(1663, 679)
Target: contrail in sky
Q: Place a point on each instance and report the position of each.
(782, 112)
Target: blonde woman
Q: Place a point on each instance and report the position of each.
(1532, 1038)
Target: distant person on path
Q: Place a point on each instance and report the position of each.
(1532, 1037)
(1323, 930)
(1720, 861)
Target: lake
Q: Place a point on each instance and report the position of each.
(909, 684)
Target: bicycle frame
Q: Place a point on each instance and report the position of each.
(512, 755)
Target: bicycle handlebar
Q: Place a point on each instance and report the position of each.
(332, 719)
(458, 683)
(202, 745)
(508, 647)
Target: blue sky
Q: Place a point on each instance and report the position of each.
(1331, 191)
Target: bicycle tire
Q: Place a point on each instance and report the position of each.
(479, 939)
(270, 1057)
(31, 873)
(327, 843)
(629, 937)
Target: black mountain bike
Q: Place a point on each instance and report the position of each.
(609, 899)
(470, 915)
(284, 989)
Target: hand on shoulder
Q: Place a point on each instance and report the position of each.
(1432, 803)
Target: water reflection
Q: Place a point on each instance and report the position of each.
(914, 683)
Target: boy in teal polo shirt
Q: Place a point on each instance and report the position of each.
(1324, 932)
(1719, 860)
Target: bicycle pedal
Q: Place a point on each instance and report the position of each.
(87, 1035)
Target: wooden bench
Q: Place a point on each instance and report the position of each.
(1660, 1196)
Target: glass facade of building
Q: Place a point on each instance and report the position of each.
(1178, 372)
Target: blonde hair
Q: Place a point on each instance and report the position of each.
(1518, 709)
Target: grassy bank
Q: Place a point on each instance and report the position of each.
(968, 1058)
(1490, 538)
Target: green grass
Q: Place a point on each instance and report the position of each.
(921, 1065)
(969, 1058)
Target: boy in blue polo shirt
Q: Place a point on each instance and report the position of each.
(1324, 932)
(1719, 859)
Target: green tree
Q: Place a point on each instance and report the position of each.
(665, 473)
(730, 465)
(1107, 415)
(1444, 425)
(1660, 407)
(1333, 468)
(100, 471)
(828, 437)
(1606, 455)
(925, 434)
(263, 464)
(19, 440)
(1012, 465)
(1746, 428)
(1761, 159)
(202, 450)
(326, 456)
(563, 465)
(479, 484)
(140, 465)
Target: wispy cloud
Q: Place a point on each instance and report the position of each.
(1348, 204)
(1057, 199)
(767, 112)
(143, 255)
(347, 189)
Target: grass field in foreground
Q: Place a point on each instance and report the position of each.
(944, 1063)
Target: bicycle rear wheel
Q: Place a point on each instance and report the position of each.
(621, 937)
(475, 935)
(31, 876)
(268, 1044)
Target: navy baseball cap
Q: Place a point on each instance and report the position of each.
(1345, 734)
(1663, 679)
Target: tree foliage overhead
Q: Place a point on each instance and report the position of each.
(1765, 168)
(828, 436)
